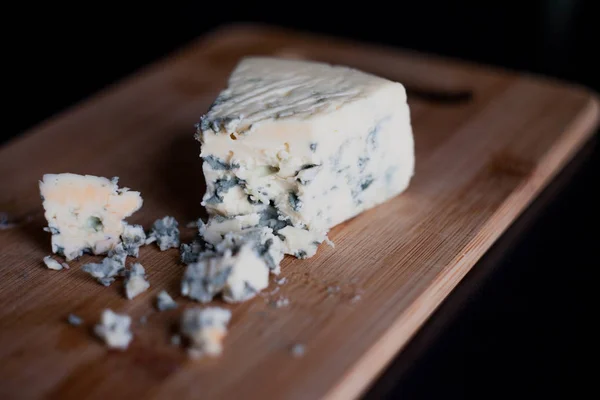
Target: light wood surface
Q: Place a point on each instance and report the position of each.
(481, 159)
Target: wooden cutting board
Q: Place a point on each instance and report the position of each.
(487, 142)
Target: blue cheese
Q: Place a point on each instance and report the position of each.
(205, 328)
(110, 268)
(299, 147)
(74, 320)
(165, 232)
(135, 281)
(238, 273)
(133, 237)
(85, 213)
(114, 330)
(165, 302)
(51, 263)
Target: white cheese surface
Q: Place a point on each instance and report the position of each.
(85, 213)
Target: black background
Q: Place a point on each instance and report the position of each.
(520, 332)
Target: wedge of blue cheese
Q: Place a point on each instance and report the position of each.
(85, 213)
(300, 146)
(205, 329)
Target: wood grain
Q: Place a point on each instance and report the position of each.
(480, 162)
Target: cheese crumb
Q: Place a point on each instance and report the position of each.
(298, 350)
(133, 238)
(135, 282)
(106, 271)
(51, 263)
(238, 273)
(175, 340)
(114, 329)
(165, 232)
(206, 329)
(165, 302)
(74, 320)
(282, 281)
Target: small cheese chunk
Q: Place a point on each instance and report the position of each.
(74, 320)
(165, 232)
(302, 146)
(133, 237)
(165, 302)
(85, 213)
(51, 263)
(237, 272)
(135, 281)
(114, 329)
(106, 271)
(206, 329)
(265, 244)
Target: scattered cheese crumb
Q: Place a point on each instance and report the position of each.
(5, 221)
(237, 273)
(333, 289)
(355, 299)
(165, 302)
(206, 329)
(51, 263)
(133, 237)
(110, 267)
(281, 302)
(282, 281)
(298, 350)
(175, 340)
(144, 319)
(165, 232)
(74, 320)
(136, 282)
(114, 329)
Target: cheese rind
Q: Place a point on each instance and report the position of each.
(303, 146)
(85, 213)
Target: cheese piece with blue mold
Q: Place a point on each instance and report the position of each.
(303, 146)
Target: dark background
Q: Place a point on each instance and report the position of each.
(517, 326)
